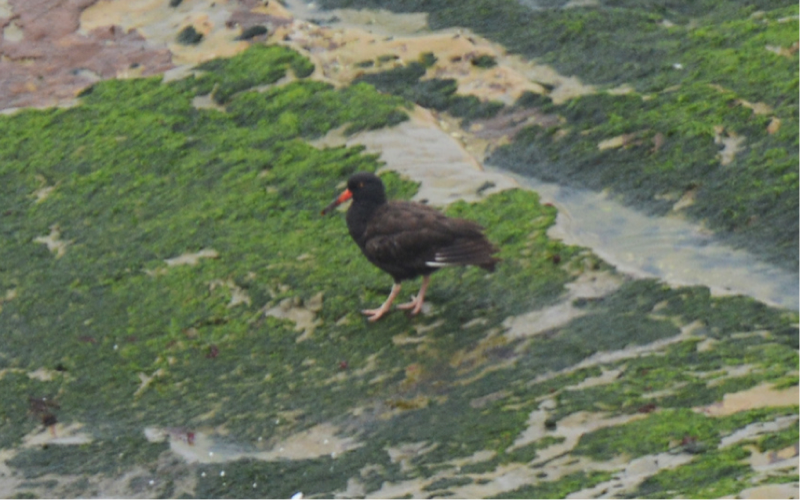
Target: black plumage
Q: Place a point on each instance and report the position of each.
(408, 239)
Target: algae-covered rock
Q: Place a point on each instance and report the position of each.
(199, 334)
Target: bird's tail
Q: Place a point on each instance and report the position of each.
(467, 252)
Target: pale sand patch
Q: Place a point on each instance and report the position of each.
(783, 51)
(61, 435)
(338, 52)
(587, 285)
(446, 171)
(633, 351)
(731, 142)
(362, 35)
(43, 374)
(752, 431)
(5, 9)
(207, 102)
(192, 259)
(574, 4)
(320, 440)
(759, 108)
(605, 378)
(377, 21)
(238, 295)
(760, 396)
(773, 460)
(774, 125)
(405, 339)
(616, 142)
(467, 359)
(634, 473)
(146, 380)
(160, 24)
(490, 484)
(571, 427)
(41, 194)
(788, 490)
(54, 242)
(404, 453)
(686, 200)
(303, 315)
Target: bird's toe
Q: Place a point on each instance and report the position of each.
(413, 307)
(373, 314)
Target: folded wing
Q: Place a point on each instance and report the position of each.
(417, 238)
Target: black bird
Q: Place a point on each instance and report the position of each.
(408, 239)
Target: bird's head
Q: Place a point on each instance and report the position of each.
(363, 187)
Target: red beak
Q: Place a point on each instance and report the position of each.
(346, 195)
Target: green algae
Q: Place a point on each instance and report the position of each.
(443, 484)
(780, 440)
(752, 207)
(189, 36)
(252, 32)
(530, 451)
(559, 488)
(436, 93)
(691, 65)
(141, 177)
(281, 107)
(517, 223)
(663, 431)
(484, 61)
(613, 42)
(158, 178)
(138, 156)
(87, 459)
(252, 478)
(712, 475)
(25, 494)
(258, 65)
(16, 413)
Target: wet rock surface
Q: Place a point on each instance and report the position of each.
(49, 60)
(178, 320)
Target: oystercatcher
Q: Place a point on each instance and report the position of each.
(408, 239)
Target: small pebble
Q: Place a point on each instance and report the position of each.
(152, 482)
(222, 473)
(202, 474)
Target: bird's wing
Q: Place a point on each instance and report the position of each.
(465, 252)
(423, 236)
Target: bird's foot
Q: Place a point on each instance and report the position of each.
(375, 314)
(415, 305)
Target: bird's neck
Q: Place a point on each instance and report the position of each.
(358, 216)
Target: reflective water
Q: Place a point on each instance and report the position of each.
(672, 249)
(669, 248)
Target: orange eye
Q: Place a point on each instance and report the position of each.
(361, 184)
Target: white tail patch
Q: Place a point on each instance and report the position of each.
(438, 264)
(439, 261)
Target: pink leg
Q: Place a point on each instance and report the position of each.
(416, 304)
(376, 314)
